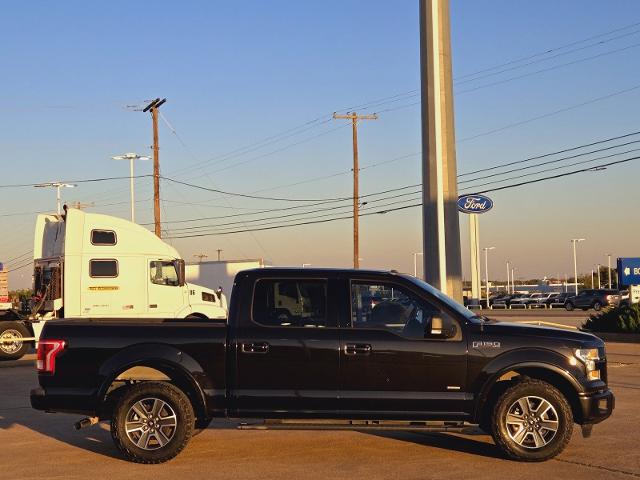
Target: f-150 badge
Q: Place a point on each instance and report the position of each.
(486, 344)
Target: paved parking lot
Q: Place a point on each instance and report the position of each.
(34, 445)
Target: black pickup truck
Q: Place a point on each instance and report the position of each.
(352, 349)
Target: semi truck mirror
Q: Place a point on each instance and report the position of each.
(179, 264)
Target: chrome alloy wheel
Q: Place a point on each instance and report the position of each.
(10, 341)
(532, 422)
(151, 423)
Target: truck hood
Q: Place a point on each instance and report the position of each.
(534, 331)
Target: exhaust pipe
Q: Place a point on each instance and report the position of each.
(86, 422)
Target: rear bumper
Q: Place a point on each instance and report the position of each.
(64, 401)
(597, 407)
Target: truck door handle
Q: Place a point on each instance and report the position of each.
(259, 347)
(357, 349)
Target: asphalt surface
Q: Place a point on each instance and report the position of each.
(35, 445)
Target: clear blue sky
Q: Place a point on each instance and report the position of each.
(238, 72)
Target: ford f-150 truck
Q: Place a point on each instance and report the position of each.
(310, 345)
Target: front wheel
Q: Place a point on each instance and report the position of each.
(532, 421)
(568, 306)
(12, 347)
(597, 306)
(152, 422)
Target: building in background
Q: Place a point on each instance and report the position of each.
(220, 273)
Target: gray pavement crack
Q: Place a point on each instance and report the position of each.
(599, 467)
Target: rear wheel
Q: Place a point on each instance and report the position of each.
(12, 347)
(568, 306)
(152, 422)
(597, 306)
(532, 421)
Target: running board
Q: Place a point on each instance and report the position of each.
(427, 426)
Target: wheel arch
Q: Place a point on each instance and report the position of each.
(496, 384)
(150, 362)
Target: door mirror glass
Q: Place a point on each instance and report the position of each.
(179, 263)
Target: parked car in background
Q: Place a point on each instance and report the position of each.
(593, 298)
(525, 299)
(507, 299)
(543, 299)
(562, 298)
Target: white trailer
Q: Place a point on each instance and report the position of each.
(219, 274)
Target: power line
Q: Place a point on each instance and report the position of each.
(255, 197)
(19, 257)
(84, 180)
(310, 222)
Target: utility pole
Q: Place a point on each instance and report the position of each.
(153, 108)
(201, 256)
(354, 117)
(219, 250)
(441, 231)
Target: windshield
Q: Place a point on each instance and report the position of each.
(462, 310)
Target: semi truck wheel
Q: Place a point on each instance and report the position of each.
(11, 345)
(532, 421)
(152, 422)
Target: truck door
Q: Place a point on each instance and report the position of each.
(400, 355)
(286, 348)
(165, 295)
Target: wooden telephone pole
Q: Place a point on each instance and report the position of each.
(153, 107)
(354, 117)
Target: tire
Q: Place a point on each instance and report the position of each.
(597, 306)
(13, 331)
(173, 407)
(521, 403)
(568, 306)
(196, 316)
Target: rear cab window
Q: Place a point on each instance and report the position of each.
(290, 302)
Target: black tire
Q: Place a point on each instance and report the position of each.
(568, 306)
(196, 316)
(16, 349)
(597, 306)
(177, 437)
(551, 444)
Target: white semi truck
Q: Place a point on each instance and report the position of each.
(90, 265)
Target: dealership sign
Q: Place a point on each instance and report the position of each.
(629, 271)
(474, 203)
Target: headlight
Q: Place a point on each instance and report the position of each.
(588, 356)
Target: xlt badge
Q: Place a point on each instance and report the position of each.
(483, 344)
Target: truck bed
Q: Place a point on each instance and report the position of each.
(99, 350)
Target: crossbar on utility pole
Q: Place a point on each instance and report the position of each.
(354, 117)
(153, 107)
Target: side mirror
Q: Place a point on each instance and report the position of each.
(438, 328)
(179, 264)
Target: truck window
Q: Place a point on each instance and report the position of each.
(106, 268)
(163, 273)
(388, 307)
(290, 303)
(103, 237)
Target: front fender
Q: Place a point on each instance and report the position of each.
(523, 358)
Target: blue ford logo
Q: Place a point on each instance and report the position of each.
(474, 203)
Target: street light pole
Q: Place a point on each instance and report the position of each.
(609, 265)
(508, 272)
(415, 263)
(131, 157)
(57, 186)
(574, 241)
(486, 269)
(598, 275)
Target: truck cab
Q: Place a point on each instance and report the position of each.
(93, 265)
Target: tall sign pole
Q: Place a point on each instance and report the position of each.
(153, 108)
(441, 232)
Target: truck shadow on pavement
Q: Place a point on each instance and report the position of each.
(97, 439)
(447, 441)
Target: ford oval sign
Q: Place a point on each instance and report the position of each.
(474, 203)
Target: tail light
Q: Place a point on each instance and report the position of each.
(48, 350)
